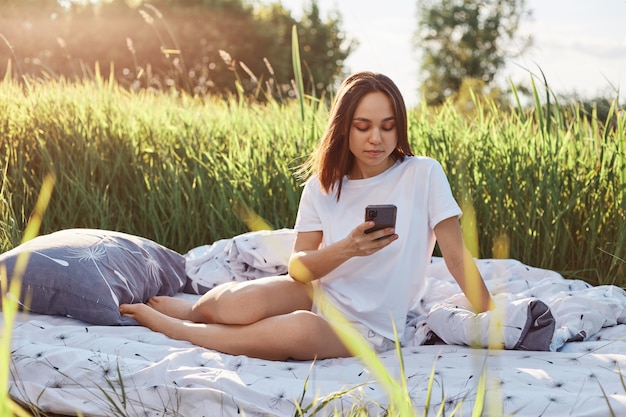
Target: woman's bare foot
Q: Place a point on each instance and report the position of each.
(173, 307)
(162, 323)
(146, 316)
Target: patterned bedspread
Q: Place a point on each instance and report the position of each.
(65, 366)
(61, 365)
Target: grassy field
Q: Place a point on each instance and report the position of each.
(544, 186)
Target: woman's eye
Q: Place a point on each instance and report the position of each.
(364, 127)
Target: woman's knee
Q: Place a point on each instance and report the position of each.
(207, 308)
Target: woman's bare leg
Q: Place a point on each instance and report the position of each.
(170, 306)
(299, 335)
(240, 302)
(267, 318)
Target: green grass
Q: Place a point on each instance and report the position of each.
(165, 167)
(546, 185)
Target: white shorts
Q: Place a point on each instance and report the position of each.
(375, 341)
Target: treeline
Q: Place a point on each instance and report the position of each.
(197, 46)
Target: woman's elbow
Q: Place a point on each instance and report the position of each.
(298, 270)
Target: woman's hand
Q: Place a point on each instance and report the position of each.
(309, 261)
(359, 243)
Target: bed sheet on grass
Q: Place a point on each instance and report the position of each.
(65, 366)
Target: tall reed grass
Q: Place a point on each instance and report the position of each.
(546, 184)
(170, 168)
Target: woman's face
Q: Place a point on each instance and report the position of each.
(373, 136)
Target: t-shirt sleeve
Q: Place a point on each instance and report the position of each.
(441, 202)
(307, 219)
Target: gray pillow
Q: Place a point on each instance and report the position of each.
(86, 273)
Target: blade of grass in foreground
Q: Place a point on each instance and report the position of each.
(10, 305)
(400, 401)
(10, 301)
(608, 403)
(297, 68)
(32, 229)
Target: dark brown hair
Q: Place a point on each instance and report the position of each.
(332, 159)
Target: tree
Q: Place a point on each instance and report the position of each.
(465, 39)
(323, 48)
(323, 45)
(200, 46)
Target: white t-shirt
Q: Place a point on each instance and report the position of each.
(373, 289)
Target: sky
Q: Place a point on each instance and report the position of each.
(580, 45)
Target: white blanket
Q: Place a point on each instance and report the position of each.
(537, 309)
(62, 365)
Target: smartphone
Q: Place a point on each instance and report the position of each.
(384, 215)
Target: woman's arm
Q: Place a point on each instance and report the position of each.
(461, 264)
(310, 261)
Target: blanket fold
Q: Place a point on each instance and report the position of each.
(522, 324)
(244, 257)
(540, 325)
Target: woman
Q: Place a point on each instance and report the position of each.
(374, 278)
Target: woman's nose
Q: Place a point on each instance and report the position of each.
(376, 137)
